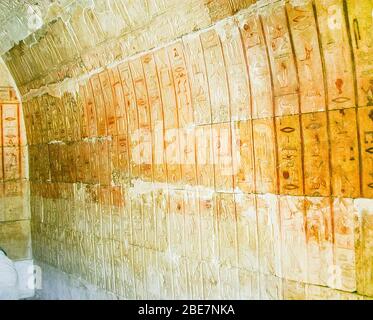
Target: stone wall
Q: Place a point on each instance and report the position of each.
(15, 229)
(230, 162)
(14, 188)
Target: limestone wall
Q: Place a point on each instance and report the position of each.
(14, 187)
(230, 162)
(15, 228)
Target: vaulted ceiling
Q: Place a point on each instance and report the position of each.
(19, 18)
(46, 41)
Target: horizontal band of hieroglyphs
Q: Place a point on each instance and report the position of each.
(316, 154)
(320, 241)
(250, 67)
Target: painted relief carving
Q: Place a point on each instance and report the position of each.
(366, 147)
(187, 155)
(181, 83)
(307, 54)
(10, 125)
(217, 78)
(269, 235)
(118, 101)
(293, 238)
(204, 156)
(90, 110)
(109, 103)
(247, 235)
(167, 89)
(259, 72)
(198, 79)
(363, 246)
(222, 156)
(345, 235)
(131, 109)
(316, 155)
(100, 105)
(12, 163)
(176, 253)
(319, 237)
(284, 72)
(344, 153)
(156, 115)
(236, 68)
(227, 229)
(243, 157)
(361, 28)
(264, 155)
(337, 53)
(192, 222)
(143, 136)
(289, 155)
(227, 164)
(171, 138)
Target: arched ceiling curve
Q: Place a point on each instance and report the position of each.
(47, 41)
(20, 18)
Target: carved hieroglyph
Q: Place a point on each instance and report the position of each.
(234, 162)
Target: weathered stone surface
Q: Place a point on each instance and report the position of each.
(233, 162)
(15, 238)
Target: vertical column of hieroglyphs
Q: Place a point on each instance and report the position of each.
(262, 103)
(185, 113)
(240, 102)
(360, 27)
(205, 270)
(341, 98)
(264, 146)
(119, 146)
(171, 124)
(220, 110)
(142, 104)
(200, 97)
(289, 145)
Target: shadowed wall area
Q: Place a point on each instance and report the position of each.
(200, 149)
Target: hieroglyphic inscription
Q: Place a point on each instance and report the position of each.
(316, 155)
(217, 78)
(131, 110)
(265, 156)
(259, 72)
(143, 136)
(337, 53)
(345, 234)
(344, 153)
(366, 145)
(169, 100)
(319, 237)
(293, 238)
(289, 155)
(284, 72)
(238, 81)
(306, 48)
(243, 157)
(198, 79)
(361, 29)
(156, 112)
